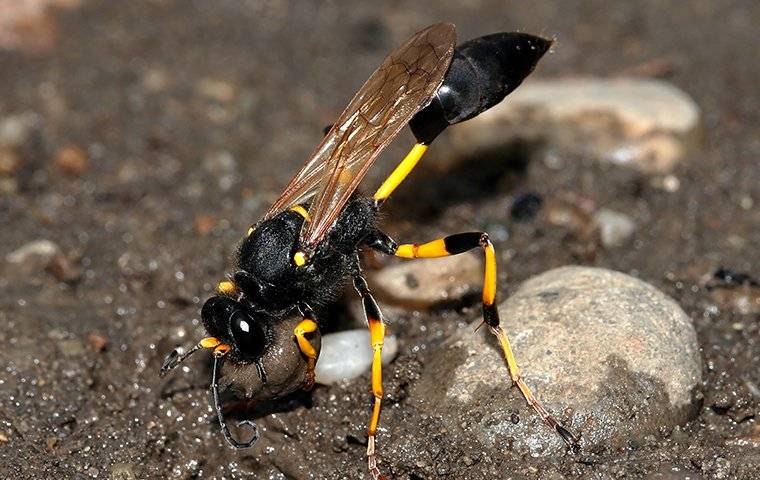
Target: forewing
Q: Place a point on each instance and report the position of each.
(403, 84)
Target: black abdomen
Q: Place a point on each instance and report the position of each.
(483, 71)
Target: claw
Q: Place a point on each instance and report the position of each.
(570, 439)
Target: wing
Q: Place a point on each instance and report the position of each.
(403, 84)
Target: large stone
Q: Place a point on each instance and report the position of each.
(424, 283)
(610, 356)
(646, 124)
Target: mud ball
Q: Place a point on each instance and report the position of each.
(610, 356)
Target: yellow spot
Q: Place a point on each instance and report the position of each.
(250, 231)
(209, 342)
(226, 287)
(299, 258)
(301, 211)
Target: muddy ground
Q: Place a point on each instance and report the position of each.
(193, 114)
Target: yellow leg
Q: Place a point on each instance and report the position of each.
(305, 327)
(401, 171)
(462, 242)
(377, 337)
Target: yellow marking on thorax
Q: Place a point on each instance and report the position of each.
(299, 258)
(301, 211)
(226, 287)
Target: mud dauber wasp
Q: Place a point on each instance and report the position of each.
(301, 254)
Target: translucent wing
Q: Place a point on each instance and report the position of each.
(403, 84)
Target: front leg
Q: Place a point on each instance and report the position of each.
(306, 326)
(377, 336)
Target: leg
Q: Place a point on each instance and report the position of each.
(462, 242)
(306, 326)
(398, 175)
(377, 336)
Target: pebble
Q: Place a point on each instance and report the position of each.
(204, 223)
(615, 229)
(216, 89)
(10, 161)
(425, 283)
(525, 207)
(71, 160)
(98, 342)
(571, 217)
(609, 355)
(646, 124)
(62, 270)
(31, 25)
(347, 355)
(33, 256)
(16, 129)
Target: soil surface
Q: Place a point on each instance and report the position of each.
(160, 130)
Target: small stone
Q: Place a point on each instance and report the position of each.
(3, 438)
(216, 89)
(203, 224)
(10, 161)
(646, 124)
(16, 129)
(744, 299)
(525, 207)
(72, 161)
(570, 217)
(156, 79)
(424, 283)
(97, 341)
(615, 228)
(62, 270)
(34, 256)
(610, 356)
(71, 347)
(8, 186)
(348, 354)
(51, 443)
(220, 163)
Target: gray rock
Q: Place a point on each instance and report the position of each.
(424, 283)
(609, 355)
(615, 228)
(646, 124)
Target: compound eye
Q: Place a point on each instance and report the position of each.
(247, 334)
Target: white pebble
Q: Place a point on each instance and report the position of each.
(347, 355)
(614, 228)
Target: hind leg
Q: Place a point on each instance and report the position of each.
(460, 243)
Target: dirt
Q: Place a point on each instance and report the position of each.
(196, 113)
